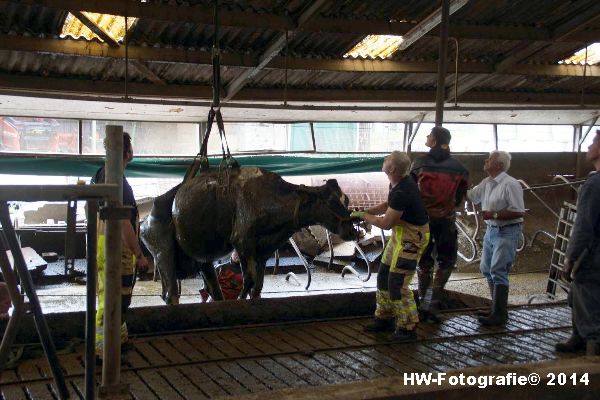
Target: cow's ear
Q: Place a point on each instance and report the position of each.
(332, 183)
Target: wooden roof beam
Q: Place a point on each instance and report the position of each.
(428, 23)
(526, 50)
(170, 55)
(44, 86)
(271, 51)
(199, 14)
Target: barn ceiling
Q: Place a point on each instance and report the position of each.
(276, 52)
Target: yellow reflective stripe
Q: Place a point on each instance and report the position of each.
(423, 246)
(398, 233)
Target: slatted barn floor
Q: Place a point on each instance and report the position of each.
(231, 362)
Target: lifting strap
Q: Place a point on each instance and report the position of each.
(200, 161)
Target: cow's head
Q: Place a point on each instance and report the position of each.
(332, 211)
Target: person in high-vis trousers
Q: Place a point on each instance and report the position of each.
(405, 214)
(132, 257)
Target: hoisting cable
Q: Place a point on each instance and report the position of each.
(200, 161)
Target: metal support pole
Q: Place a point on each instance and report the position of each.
(17, 301)
(111, 365)
(442, 64)
(495, 133)
(38, 315)
(90, 314)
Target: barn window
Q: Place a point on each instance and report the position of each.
(373, 46)
(112, 25)
(593, 56)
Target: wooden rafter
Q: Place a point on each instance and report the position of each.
(270, 52)
(176, 55)
(199, 14)
(526, 50)
(18, 84)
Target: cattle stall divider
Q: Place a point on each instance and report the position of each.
(28, 193)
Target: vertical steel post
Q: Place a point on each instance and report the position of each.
(440, 96)
(111, 365)
(90, 314)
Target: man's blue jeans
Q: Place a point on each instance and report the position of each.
(499, 249)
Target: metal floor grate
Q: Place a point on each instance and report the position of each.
(235, 361)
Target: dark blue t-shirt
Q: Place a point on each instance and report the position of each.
(128, 198)
(405, 197)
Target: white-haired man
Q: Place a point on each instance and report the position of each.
(502, 205)
(405, 214)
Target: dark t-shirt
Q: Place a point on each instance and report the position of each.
(128, 198)
(405, 197)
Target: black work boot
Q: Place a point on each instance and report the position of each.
(573, 344)
(499, 313)
(403, 335)
(424, 277)
(380, 325)
(430, 311)
(486, 313)
(592, 348)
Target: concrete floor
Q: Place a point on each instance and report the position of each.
(71, 297)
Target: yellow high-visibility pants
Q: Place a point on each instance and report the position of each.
(127, 282)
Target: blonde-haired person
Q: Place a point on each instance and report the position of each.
(405, 215)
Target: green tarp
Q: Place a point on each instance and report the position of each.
(286, 165)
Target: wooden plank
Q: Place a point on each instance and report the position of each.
(282, 373)
(137, 388)
(11, 391)
(408, 356)
(263, 374)
(366, 371)
(201, 345)
(168, 351)
(135, 359)
(323, 336)
(190, 352)
(301, 371)
(459, 360)
(473, 353)
(150, 354)
(72, 364)
(271, 337)
(319, 369)
(158, 384)
(332, 363)
(215, 340)
(304, 334)
(339, 336)
(216, 371)
(252, 345)
(185, 386)
(206, 384)
(354, 331)
(380, 363)
(29, 369)
(243, 376)
(292, 341)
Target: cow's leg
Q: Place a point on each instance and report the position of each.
(260, 278)
(159, 237)
(249, 272)
(211, 281)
